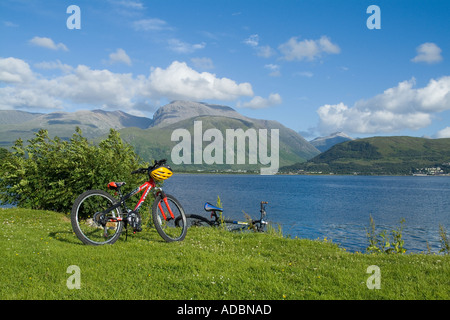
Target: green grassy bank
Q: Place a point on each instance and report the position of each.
(37, 247)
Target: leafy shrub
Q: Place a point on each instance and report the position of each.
(49, 174)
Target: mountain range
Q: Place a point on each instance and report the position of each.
(153, 139)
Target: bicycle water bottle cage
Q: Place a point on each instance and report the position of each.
(209, 207)
(115, 185)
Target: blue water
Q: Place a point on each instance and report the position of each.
(335, 207)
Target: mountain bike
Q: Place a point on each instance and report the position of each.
(98, 218)
(231, 225)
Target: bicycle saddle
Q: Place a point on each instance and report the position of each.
(115, 185)
(210, 207)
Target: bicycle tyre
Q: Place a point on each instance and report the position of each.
(167, 228)
(193, 220)
(87, 231)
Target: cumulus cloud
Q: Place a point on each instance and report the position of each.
(48, 43)
(14, 70)
(428, 52)
(120, 56)
(102, 88)
(307, 49)
(261, 103)
(179, 81)
(397, 108)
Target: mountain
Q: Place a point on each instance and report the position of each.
(325, 143)
(380, 155)
(155, 142)
(181, 110)
(20, 124)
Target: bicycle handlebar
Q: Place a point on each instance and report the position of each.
(145, 170)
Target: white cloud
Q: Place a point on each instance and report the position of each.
(14, 70)
(261, 103)
(307, 49)
(262, 51)
(444, 133)
(49, 65)
(27, 97)
(153, 24)
(397, 108)
(428, 52)
(184, 47)
(48, 43)
(179, 81)
(265, 51)
(120, 56)
(252, 41)
(274, 68)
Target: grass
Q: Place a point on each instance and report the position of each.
(37, 247)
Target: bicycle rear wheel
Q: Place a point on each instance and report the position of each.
(165, 212)
(91, 227)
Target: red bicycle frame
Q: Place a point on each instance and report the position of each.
(147, 186)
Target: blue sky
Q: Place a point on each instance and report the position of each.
(314, 66)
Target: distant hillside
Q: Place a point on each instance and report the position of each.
(325, 143)
(20, 124)
(16, 116)
(379, 155)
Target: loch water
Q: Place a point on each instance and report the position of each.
(334, 207)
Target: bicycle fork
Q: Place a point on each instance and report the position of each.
(163, 196)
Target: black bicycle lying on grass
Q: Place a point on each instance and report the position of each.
(217, 220)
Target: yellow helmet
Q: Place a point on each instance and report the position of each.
(161, 173)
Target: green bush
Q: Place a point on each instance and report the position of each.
(49, 174)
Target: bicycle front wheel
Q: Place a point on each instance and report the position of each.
(89, 225)
(165, 212)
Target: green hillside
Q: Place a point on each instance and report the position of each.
(155, 142)
(380, 155)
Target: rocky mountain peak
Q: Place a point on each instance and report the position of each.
(180, 110)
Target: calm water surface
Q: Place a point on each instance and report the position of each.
(336, 207)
